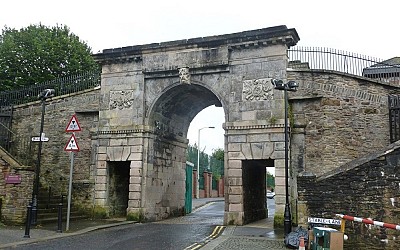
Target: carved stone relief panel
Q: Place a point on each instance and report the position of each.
(121, 99)
(257, 89)
(184, 75)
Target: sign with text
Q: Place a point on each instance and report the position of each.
(324, 221)
(13, 179)
(41, 138)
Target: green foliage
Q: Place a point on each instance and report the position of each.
(278, 220)
(135, 216)
(38, 53)
(99, 212)
(270, 180)
(215, 162)
(273, 120)
(191, 156)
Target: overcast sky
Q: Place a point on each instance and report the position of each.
(366, 27)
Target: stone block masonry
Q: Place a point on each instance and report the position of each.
(366, 187)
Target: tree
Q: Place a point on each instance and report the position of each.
(217, 163)
(191, 156)
(38, 53)
(270, 181)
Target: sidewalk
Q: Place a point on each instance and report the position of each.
(258, 235)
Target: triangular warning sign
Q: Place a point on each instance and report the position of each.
(72, 144)
(73, 125)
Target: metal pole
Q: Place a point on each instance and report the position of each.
(198, 165)
(287, 214)
(59, 221)
(36, 186)
(69, 190)
(28, 221)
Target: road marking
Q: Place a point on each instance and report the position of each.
(216, 232)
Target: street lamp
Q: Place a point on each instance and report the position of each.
(198, 162)
(289, 86)
(47, 93)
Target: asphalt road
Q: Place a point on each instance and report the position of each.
(175, 233)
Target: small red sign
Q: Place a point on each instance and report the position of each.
(13, 179)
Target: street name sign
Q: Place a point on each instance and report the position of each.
(324, 221)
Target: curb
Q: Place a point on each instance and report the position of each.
(62, 235)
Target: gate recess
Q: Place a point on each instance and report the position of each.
(394, 117)
(5, 126)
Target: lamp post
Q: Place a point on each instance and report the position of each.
(198, 162)
(47, 93)
(289, 86)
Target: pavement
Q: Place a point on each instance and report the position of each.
(257, 235)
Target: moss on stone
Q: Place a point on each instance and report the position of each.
(135, 216)
(99, 212)
(278, 221)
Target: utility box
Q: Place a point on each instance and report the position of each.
(325, 238)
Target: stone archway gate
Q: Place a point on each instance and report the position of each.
(150, 94)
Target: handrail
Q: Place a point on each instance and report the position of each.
(319, 58)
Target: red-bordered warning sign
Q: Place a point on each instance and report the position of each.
(72, 144)
(73, 125)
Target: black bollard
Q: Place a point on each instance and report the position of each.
(34, 212)
(59, 228)
(28, 221)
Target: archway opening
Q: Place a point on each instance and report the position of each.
(172, 115)
(118, 187)
(254, 176)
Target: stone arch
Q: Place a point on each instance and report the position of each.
(171, 114)
(155, 87)
(176, 99)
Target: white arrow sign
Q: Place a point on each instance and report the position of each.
(37, 138)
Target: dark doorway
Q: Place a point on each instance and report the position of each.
(254, 189)
(118, 187)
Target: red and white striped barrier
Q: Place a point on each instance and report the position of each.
(368, 221)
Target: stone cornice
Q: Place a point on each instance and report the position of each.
(246, 39)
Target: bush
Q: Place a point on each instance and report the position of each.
(278, 221)
(99, 213)
(135, 216)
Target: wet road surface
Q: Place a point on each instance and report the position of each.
(175, 233)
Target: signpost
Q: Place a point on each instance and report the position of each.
(72, 146)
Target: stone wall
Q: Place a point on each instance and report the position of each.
(342, 117)
(55, 162)
(14, 197)
(367, 187)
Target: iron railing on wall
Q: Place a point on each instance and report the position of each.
(62, 86)
(318, 58)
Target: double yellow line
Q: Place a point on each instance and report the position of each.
(216, 232)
